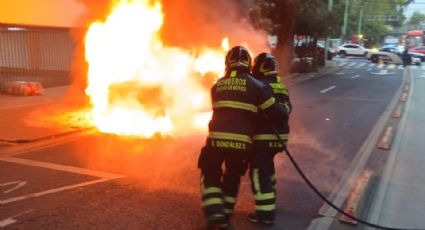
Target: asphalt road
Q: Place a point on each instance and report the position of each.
(154, 184)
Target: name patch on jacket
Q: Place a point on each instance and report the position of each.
(228, 144)
(233, 83)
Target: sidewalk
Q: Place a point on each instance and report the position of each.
(399, 200)
(29, 118)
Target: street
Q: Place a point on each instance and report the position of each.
(101, 181)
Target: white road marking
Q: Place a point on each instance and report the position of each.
(340, 73)
(400, 67)
(422, 75)
(50, 191)
(18, 185)
(61, 167)
(372, 64)
(11, 220)
(356, 76)
(327, 89)
(368, 70)
(342, 63)
(382, 72)
(351, 64)
(103, 175)
(391, 66)
(360, 65)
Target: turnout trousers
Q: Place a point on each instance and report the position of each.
(220, 185)
(263, 183)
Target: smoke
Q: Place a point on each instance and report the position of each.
(191, 23)
(188, 24)
(160, 163)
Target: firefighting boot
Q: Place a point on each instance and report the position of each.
(216, 220)
(256, 218)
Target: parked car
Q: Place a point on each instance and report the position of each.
(418, 49)
(321, 49)
(303, 51)
(351, 50)
(394, 55)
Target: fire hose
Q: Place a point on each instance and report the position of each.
(318, 193)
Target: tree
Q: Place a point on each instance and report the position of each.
(416, 19)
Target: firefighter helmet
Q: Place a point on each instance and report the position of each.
(264, 65)
(238, 57)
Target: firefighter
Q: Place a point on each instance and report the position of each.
(266, 143)
(236, 100)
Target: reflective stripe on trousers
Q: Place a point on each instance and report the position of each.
(264, 192)
(212, 198)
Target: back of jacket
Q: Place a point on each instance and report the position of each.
(265, 136)
(236, 100)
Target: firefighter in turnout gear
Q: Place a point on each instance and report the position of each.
(237, 98)
(266, 143)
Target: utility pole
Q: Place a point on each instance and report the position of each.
(330, 6)
(344, 27)
(359, 29)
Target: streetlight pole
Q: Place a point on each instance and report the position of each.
(330, 6)
(359, 29)
(344, 27)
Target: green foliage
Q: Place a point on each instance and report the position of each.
(312, 17)
(416, 19)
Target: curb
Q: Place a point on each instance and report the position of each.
(298, 77)
(26, 141)
(327, 217)
(356, 201)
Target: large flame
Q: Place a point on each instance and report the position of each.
(137, 85)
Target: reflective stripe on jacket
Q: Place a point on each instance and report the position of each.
(237, 98)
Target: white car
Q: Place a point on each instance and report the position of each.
(351, 50)
(392, 55)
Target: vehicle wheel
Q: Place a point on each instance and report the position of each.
(365, 54)
(342, 54)
(374, 59)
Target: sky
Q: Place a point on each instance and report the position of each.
(417, 5)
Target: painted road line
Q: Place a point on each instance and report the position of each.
(356, 76)
(12, 220)
(391, 66)
(382, 72)
(372, 64)
(368, 70)
(338, 195)
(386, 139)
(342, 63)
(403, 97)
(360, 65)
(62, 168)
(351, 64)
(353, 205)
(406, 87)
(17, 184)
(422, 75)
(397, 112)
(328, 89)
(50, 191)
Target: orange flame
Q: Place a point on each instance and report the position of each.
(137, 85)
